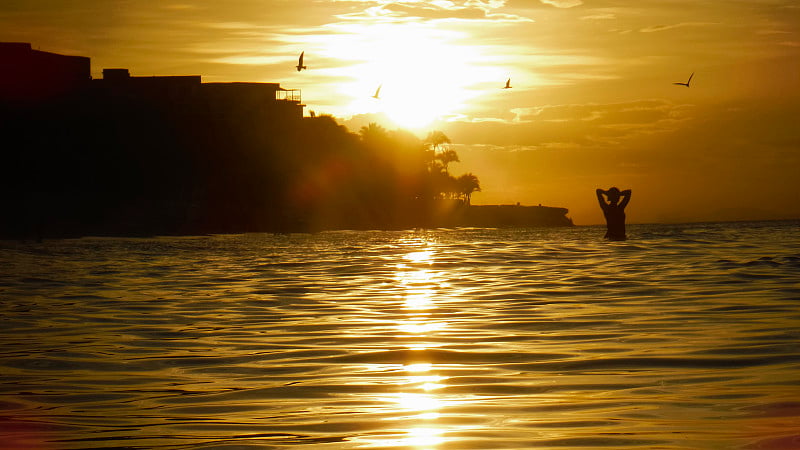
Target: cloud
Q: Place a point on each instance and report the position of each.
(632, 114)
(562, 3)
(577, 126)
(408, 11)
(657, 28)
(772, 31)
(179, 6)
(600, 16)
(252, 59)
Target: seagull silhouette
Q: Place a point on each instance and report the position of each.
(300, 65)
(508, 84)
(378, 92)
(687, 81)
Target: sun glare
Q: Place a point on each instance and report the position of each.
(423, 73)
(419, 257)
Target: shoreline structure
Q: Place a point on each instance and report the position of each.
(172, 155)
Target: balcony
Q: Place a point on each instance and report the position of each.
(289, 95)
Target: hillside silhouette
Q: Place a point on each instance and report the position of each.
(126, 155)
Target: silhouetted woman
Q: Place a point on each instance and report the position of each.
(614, 210)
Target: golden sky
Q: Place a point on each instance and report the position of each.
(592, 102)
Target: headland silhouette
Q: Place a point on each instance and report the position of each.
(132, 155)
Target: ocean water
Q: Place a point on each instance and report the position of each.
(684, 336)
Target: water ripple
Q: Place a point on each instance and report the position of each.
(682, 337)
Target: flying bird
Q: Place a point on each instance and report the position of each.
(300, 65)
(508, 84)
(687, 81)
(377, 92)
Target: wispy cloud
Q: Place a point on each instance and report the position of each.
(603, 123)
(252, 59)
(772, 31)
(179, 6)
(562, 3)
(656, 28)
(600, 16)
(407, 11)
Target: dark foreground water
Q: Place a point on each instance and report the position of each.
(685, 336)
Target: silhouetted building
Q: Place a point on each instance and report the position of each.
(130, 154)
(31, 76)
(28, 75)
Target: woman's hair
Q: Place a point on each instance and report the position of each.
(613, 194)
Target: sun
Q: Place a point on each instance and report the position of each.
(425, 73)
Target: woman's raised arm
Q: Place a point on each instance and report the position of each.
(626, 197)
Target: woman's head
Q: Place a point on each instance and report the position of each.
(613, 194)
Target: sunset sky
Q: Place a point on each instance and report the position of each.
(592, 102)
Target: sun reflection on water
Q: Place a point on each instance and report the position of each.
(416, 403)
(418, 284)
(424, 438)
(420, 327)
(418, 367)
(421, 408)
(419, 257)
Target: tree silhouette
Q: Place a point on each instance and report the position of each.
(373, 132)
(438, 156)
(446, 157)
(437, 140)
(467, 184)
(437, 153)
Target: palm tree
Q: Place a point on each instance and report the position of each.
(439, 155)
(446, 157)
(372, 132)
(436, 140)
(467, 184)
(444, 186)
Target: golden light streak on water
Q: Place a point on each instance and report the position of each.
(425, 438)
(425, 256)
(418, 367)
(425, 378)
(420, 327)
(420, 286)
(418, 402)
